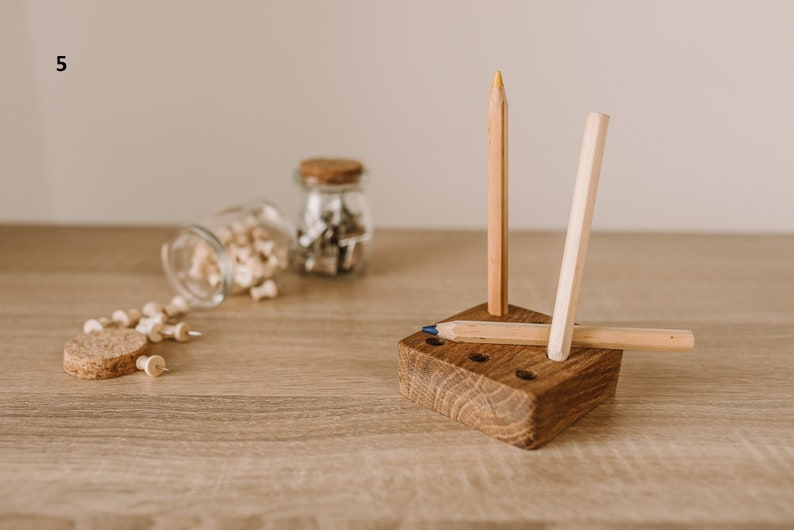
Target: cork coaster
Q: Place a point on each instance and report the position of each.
(104, 354)
(330, 171)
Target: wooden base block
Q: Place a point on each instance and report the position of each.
(513, 393)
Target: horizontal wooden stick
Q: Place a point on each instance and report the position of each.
(583, 336)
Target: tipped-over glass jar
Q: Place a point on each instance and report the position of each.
(242, 248)
(335, 230)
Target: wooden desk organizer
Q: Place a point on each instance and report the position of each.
(513, 393)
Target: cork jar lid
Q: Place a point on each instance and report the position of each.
(330, 171)
(103, 354)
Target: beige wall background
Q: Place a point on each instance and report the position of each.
(169, 111)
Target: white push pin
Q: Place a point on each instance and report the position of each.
(268, 289)
(145, 324)
(224, 234)
(177, 306)
(214, 278)
(159, 318)
(96, 324)
(153, 365)
(150, 309)
(152, 330)
(243, 276)
(126, 319)
(180, 332)
(264, 247)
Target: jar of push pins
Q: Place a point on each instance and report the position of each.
(240, 249)
(335, 231)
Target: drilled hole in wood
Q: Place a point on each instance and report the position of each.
(435, 341)
(479, 357)
(526, 374)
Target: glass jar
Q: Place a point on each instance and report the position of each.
(240, 249)
(335, 230)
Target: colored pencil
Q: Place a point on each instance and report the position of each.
(582, 337)
(497, 198)
(578, 236)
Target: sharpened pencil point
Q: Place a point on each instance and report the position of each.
(430, 329)
(497, 80)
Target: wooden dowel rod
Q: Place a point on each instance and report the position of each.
(578, 236)
(497, 198)
(583, 336)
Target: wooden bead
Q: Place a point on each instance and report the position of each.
(153, 365)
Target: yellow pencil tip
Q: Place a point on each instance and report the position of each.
(497, 80)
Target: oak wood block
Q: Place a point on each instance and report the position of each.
(513, 393)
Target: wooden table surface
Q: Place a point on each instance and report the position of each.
(287, 412)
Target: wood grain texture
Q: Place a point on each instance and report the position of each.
(288, 414)
(514, 393)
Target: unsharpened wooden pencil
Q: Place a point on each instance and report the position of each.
(578, 236)
(497, 198)
(583, 336)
